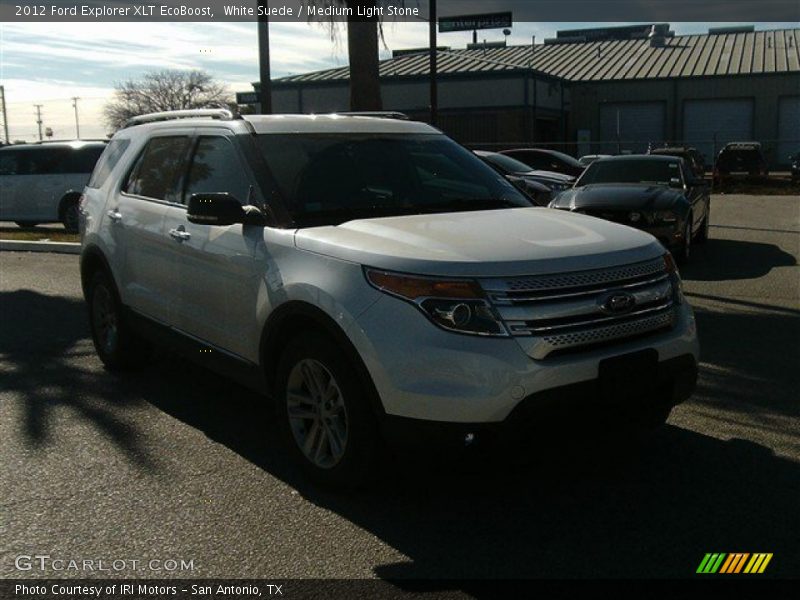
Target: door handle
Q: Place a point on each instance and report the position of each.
(114, 215)
(179, 234)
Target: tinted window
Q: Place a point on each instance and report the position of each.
(216, 168)
(45, 161)
(156, 169)
(367, 175)
(507, 164)
(745, 158)
(658, 172)
(108, 160)
(81, 160)
(9, 162)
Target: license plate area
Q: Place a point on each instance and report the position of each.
(628, 377)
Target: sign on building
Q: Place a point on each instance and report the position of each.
(471, 22)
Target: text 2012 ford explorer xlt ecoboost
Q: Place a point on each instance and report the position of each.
(375, 278)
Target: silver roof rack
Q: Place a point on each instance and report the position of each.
(210, 113)
(379, 114)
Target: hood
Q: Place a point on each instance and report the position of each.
(621, 196)
(547, 175)
(488, 243)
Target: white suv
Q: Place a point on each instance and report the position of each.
(376, 279)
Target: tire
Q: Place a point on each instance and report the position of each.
(70, 216)
(116, 344)
(685, 250)
(26, 223)
(324, 413)
(702, 235)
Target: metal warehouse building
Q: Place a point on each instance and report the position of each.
(607, 90)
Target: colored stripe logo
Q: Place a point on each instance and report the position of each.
(733, 563)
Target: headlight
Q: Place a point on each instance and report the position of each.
(452, 304)
(664, 216)
(674, 277)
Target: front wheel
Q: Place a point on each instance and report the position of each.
(115, 342)
(702, 234)
(324, 413)
(685, 250)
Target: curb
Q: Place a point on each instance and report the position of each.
(55, 247)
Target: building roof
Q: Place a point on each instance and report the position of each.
(744, 53)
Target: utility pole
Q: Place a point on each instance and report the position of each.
(432, 43)
(265, 82)
(77, 126)
(5, 114)
(39, 118)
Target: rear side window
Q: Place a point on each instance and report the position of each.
(155, 172)
(216, 168)
(108, 160)
(81, 160)
(46, 161)
(9, 162)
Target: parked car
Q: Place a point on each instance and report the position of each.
(658, 194)
(692, 156)
(41, 183)
(377, 280)
(547, 160)
(795, 166)
(540, 185)
(740, 160)
(588, 159)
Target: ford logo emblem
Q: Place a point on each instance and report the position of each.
(617, 303)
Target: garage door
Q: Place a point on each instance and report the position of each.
(710, 124)
(631, 126)
(788, 128)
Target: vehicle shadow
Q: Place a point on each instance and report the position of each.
(750, 359)
(583, 506)
(43, 360)
(721, 260)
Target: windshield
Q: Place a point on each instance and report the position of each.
(655, 172)
(507, 164)
(332, 178)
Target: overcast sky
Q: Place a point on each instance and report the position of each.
(48, 63)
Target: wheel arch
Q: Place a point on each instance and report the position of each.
(294, 317)
(92, 260)
(66, 198)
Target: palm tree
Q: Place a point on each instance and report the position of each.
(363, 35)
(362, 49)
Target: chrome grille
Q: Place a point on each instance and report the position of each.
(568, 280)
(573, 310)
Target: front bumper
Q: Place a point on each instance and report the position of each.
(423, 372)
(550, 411)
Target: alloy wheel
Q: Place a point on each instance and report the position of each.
(105, 319)
(317, 413)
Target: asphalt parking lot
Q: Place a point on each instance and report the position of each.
(177, 463)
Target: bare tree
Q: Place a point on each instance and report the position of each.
(158, 91)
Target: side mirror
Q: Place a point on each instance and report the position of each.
(221, 209)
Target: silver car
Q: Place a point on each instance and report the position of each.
(42, 183)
